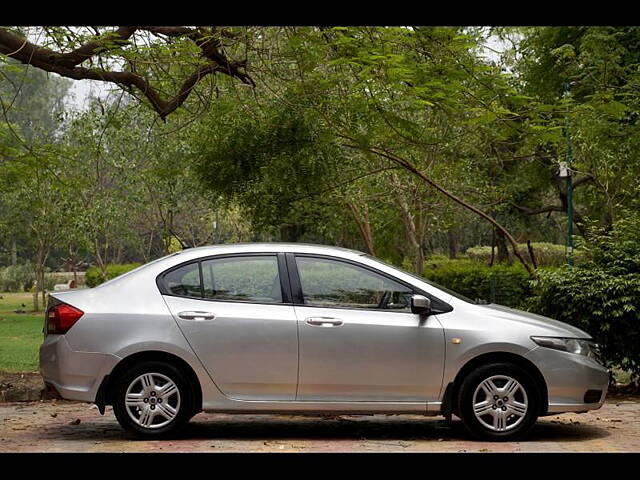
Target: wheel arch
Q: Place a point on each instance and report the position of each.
(105, 392)
(453, 388)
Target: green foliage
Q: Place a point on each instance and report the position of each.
(94, 276)
(504, 284)
(547, 254)
(603, 304)
(297, 158)
(16, 278)
(600, 295)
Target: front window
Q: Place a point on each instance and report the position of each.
(332, 283)
(457, 295)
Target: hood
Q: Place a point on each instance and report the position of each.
(555, 327)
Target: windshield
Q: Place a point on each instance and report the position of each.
(422, 279)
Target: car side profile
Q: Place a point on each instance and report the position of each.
(295, 328)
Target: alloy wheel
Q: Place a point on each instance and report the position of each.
(152, 400)
(500, 403)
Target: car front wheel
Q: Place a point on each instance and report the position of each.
(499, 401)
(152, 400)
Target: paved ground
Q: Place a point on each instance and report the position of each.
(59, 426)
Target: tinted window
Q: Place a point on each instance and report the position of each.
(331, 283)
(184, 281)
(253, 279)
(422, 279)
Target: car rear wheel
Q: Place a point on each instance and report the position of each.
(499, 401)
(153, 399)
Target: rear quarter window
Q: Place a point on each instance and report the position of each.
(184, 281)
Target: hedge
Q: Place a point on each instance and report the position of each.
(94, 275)
(606, 305)
(546, 254)
(504, 284)
(17, 278)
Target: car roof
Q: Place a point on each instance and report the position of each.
(269, 247)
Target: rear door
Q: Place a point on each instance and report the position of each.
(236, 312)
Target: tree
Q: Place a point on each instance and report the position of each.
(33, 198)
(149, 59)
(583, 79)
(409, 96)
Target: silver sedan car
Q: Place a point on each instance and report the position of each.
(294, 328)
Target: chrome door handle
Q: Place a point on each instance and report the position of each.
(196, 315)
(324, 321)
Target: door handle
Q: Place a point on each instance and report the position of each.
(324, 322)
(196, 315)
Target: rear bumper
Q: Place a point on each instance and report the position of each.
(568, 378)
(74, 375)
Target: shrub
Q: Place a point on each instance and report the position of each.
(17, 278)
(603, 304)
(94, 275)
(547, 254)
(505, 284)
(602, 294)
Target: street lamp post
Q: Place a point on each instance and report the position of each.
(565, 171)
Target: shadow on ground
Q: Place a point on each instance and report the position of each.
(270, 428)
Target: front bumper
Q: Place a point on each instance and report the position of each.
(568, 377)
(75, 375)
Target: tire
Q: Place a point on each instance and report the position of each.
(497, 419)
(160, 400)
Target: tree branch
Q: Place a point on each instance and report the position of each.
(537, 211)
(68, 64)
(406, 164)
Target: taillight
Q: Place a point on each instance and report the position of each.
(61, 317)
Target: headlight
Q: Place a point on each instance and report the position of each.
(579, 346)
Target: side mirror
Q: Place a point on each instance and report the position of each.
(420, 304)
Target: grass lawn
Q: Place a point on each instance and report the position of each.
(20, 333)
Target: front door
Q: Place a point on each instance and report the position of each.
(232, 312)
(359, 340)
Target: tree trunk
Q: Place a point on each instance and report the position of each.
(503, 251)
(38, 270)
(493, 247)
(290, 232)
(14, 252)
(35, 297)
(43, 290)
(532, 254)
(410, 227)
(452, 241)
(362, 219)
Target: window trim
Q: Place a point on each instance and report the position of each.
(438, 306)
(285, 286)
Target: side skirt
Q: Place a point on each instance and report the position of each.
(343, 408)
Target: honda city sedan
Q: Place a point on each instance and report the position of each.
(300, 329)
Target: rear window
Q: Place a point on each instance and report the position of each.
(184, 281)
(243, 278)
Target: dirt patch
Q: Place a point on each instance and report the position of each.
(21, 387)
